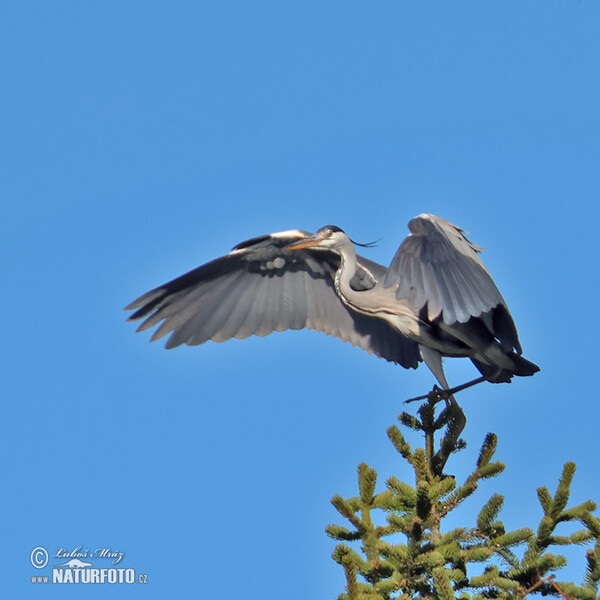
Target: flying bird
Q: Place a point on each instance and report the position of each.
(436, 299)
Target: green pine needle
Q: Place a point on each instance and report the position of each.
(577, 512)
(443, 585)
(420, 465)
(561, 540)
(491, 470)
(388, 501)
(574, 591)
(583, 536)
(478, 554)
(513, 538)
(405, 492)
(341, 533)
(410, 421)
(550, 562)
(489, 512)
(460, 534)
(545, 529)
(423, 502)
(545, 499)
(442, 488)
(345, 555)
(401, 445)
(367, 479)
(592, 523)
(488, 449)
(459, 494)
(562, 491)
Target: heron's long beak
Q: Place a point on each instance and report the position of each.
(313, 241)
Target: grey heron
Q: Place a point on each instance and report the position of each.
(436, 299)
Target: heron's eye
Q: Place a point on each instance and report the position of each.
(329, 233)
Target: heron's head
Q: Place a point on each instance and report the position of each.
(330, 237)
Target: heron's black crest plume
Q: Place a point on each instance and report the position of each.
(333, 228)
(367, 245)
(337, 229)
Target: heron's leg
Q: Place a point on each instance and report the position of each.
(433, 359)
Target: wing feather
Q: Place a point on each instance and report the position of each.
(185, 305)
(236, 314)
(254, 315)
(202, 319)
(437, 268)
(260, 287)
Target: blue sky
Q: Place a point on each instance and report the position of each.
(141, 139)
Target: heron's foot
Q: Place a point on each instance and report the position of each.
(446, 395)
(437, 394)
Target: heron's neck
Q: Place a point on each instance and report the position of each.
(344, 275)
(377, 301)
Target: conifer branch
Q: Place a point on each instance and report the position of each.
(432, 563)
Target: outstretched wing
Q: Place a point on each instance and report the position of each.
(260, 287)
(438, 267)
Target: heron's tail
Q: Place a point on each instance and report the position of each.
(526, 367)
(512, 364)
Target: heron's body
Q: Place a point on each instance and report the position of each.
(435, 299)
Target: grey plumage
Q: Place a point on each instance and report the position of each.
(260, 287)
(438, 266)
(435, 299)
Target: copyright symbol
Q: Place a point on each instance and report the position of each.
(39, 557)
